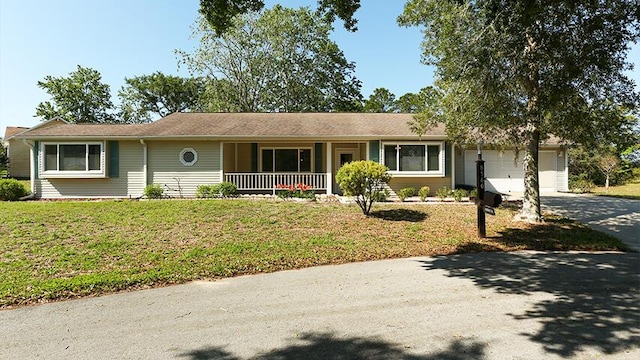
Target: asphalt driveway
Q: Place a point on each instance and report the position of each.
(524, 305)
(615, 216)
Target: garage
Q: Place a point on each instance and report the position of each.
(504, 172)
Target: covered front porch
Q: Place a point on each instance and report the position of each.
(261, 167)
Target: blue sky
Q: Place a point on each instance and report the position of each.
(126, 38)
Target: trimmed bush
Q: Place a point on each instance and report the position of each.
(423, 193)
(443, 193)
(11, 190)
(204, 191)
(154, 191)
(406, 193)
(364, 180)
(224, 189)
(458, 194)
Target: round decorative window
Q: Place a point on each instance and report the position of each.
(188, 157)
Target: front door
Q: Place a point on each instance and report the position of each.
(343, 156)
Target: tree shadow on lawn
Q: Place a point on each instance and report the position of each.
(597, 301)
(399, 215)
(558, 233)
(321, 346)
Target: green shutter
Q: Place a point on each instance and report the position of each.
(254, 157)
(114, 159)
(36, 152)
(447, 158)
(318, 157)
(374, 150)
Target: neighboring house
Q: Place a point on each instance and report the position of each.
(17, 152)
(258, 151)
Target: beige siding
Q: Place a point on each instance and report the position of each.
(19, 166)
(129, 183)
(165, 167)
(434, 183)
(244, 157)
(229, 161)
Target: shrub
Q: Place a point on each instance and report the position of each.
(443, 193)
(223, 189)
(423, 193)
(473, 192)
(154, 191)
(204, 191)
(581, 186)
(226, 189)
(11, 190)
(406, 192)
(364, 180)
(458, 194)
(383, 195)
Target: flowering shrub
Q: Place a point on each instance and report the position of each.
(298, 190)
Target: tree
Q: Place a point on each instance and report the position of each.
(518, 71)
(380, 101)
(160, 95)
(427, 108)
(4, 159)
(608, 164)
(279, 60)
(364, 180)
(79, 98)
(220, 14)
(428, 97)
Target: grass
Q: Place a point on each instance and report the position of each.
(60, 250)
(630, 190)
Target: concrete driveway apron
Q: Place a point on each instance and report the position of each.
(614, 216)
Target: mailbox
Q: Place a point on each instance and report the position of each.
(491, 199)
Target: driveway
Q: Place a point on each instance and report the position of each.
(524, 305)
(617, 217)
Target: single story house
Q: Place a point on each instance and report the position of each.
(257, 152)
(17, 152)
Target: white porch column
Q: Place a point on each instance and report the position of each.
(329, 169)
(145, 160)
(221, 161)
(33, 167)
(453, 166)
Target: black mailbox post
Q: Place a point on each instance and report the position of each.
(487, 200)
(482, 227)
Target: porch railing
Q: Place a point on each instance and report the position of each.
(269, 181)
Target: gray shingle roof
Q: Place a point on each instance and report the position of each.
(11, 131)
(247, 125)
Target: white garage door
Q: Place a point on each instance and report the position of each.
(505, 174)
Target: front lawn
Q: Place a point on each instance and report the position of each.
(57, 250)
(628, 191)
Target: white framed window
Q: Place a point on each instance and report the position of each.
(188, 157)
(72, 159)
(286, 159)
(414, 159)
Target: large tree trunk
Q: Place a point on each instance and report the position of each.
(531, 201)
